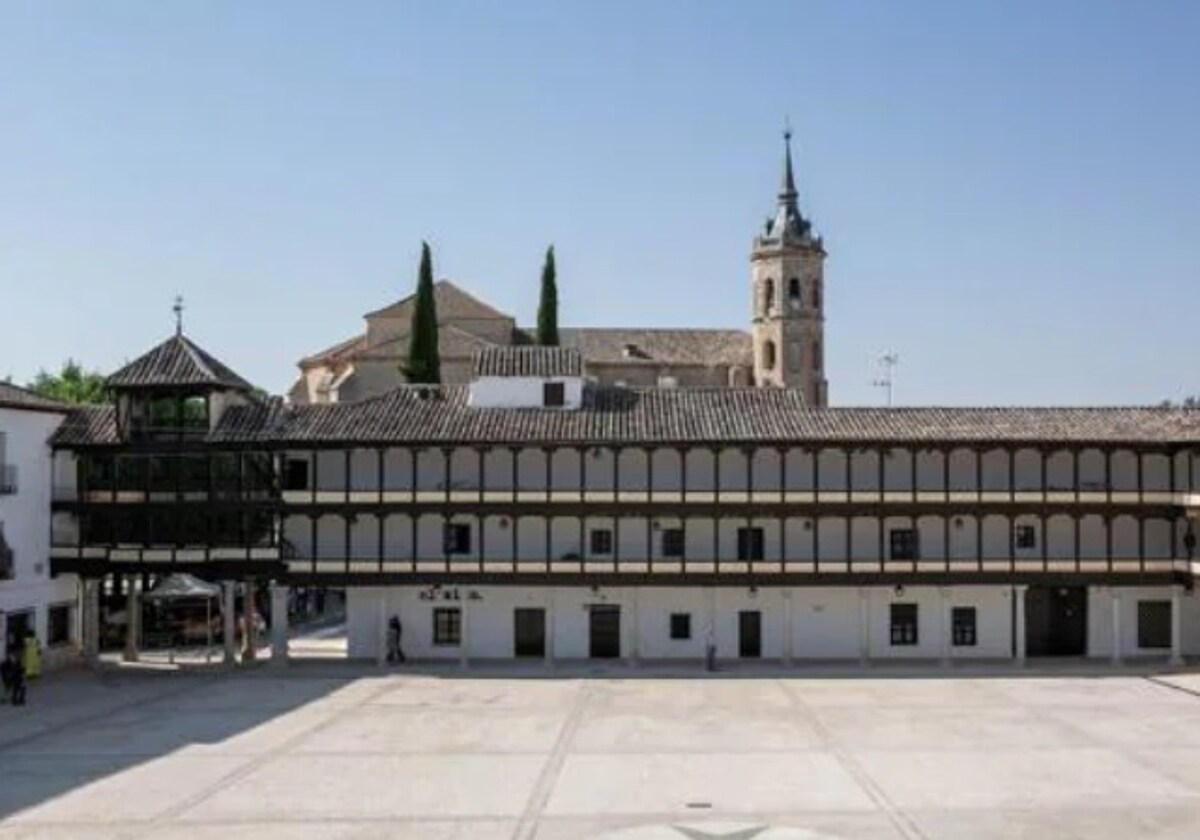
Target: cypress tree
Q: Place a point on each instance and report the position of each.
(547, 318)
(424, 365)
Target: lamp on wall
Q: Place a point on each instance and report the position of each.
(899, 590)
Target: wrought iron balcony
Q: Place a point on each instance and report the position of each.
(8, 479)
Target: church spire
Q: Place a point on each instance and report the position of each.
(787, 190)
(788, 227)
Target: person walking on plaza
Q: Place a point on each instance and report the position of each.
(395, 652)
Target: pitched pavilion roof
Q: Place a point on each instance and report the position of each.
(14, 396)
(450, 300)
(177, 362)
(528, 360)
(424, 415)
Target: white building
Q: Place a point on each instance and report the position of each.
(32, 599)
(538, 507)
(532, 513)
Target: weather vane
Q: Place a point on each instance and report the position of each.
(178, 310)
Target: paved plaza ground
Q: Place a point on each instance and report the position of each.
(345, 750)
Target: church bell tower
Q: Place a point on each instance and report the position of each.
(787, 279)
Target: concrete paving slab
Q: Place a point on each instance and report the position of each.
(919, 728)
(1061, 824)
(728, 783)
(374, 787)
(704, 729)
(808, 826)
(1063, 777)
(105, 792)
(392, 729)
(390, 829)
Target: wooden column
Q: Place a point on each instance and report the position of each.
(616, 552)
(413, 523)
(1108, 541)
(381, 525)
(381, 473)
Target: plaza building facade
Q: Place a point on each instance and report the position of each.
(535, 513)
(592, 500)
(33, 601)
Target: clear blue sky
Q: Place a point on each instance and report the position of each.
(1010, 192)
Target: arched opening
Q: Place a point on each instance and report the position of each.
(769, 355)
(816, 355)
(794, 296)
(768, 295)
(816, 294)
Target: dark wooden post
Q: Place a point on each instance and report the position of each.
(381, 470)
(381, 525)
(1108, 541)
(413, 523)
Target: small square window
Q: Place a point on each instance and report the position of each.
(1154, 625)
(681, 626)
(447, 626)
(672, 542)
(456, 538)
(904, 544)
(553, 395)
(962, 627)
(1026, 536)
(750, 544)
(602, 541)
(904, 625)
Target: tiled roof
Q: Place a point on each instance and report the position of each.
(531, 361)
(631, 416)
(176, 362)
(88, 425)
(13, 396)
(452, 343)
(331, 354)
(432, 415)
(451, 302)
(662, 346)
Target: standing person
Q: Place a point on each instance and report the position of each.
(16, 677)
(6, 675)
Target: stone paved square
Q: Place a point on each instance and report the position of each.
(342, 750)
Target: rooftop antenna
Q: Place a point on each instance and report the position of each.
(887, 363)
(178, 310)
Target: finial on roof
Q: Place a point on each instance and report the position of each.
(787, 190)
(178, 310)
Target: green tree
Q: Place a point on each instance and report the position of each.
(1188, 402)
(72, 384)
(547, 317)
(424, 365)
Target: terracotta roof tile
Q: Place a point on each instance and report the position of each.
(531, 361)
(14, 396)
(176, 362)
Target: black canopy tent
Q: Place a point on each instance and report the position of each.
(182, 585)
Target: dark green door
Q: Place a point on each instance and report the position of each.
(750, 634)
(529, 632)
(604, 631)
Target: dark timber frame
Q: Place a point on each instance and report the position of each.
(667, 493)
